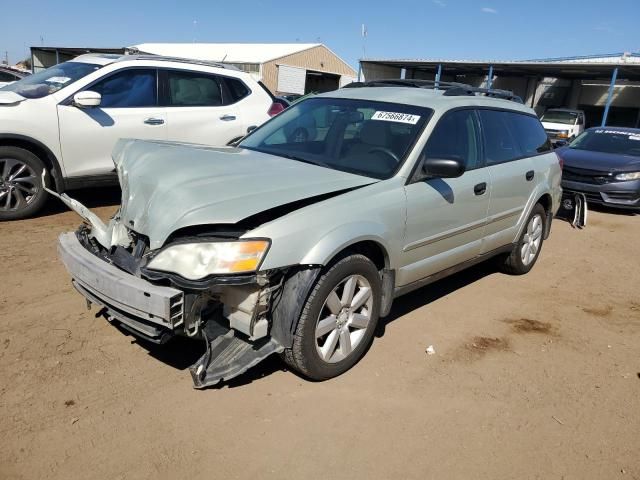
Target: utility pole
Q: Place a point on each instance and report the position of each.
(6, 57)
(364, 53)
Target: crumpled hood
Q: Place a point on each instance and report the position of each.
(167, 186)
(600, 161)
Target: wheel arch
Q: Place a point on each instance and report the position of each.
(41, 151)
(544, 198)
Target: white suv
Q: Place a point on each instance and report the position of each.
(65, 120)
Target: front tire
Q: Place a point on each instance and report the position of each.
(527, 250)
(21, 190)
(338, 320)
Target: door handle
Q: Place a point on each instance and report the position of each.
(228, 118)
(154, 121)
(529, 176)
(480, 188)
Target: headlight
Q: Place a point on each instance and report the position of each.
(628, 176)
(197, 260)
(563, 134)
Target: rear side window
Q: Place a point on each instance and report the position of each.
(456, 137)
(530, 134)
(237, 90)
(500, 144)
(128, 88)
(7, 77)
(190, 89)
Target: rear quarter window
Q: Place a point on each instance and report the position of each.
(530, 134)
(237, 90)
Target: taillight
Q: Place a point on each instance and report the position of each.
(275, 109)
(560, 160)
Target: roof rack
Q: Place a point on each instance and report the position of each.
(451, 89)
(162, 58)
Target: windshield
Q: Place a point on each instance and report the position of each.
(555, 116)
(357, 136)
(609, 141)
(51, 80)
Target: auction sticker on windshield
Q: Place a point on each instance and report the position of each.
(58, 79)
(396, 117)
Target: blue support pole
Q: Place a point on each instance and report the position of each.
(609, 97)
(438, 76)
(490, 77)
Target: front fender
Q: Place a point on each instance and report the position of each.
(342, 237)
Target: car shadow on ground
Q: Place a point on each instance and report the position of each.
(89, 197)
(180, 352)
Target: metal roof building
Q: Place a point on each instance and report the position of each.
(606, 87)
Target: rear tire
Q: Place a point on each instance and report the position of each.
(21, 190)
(526, 251)
(338, 320)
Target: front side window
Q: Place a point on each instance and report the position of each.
(621, 142)
(51, 80)
(357, 136)
(530, 134)
(500, 144)
(128, 88)
(456, 138)
(190, 89)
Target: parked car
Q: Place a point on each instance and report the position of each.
(563, 124)
(9, 75)
(66, 120)
(298, 247)
(604, 165)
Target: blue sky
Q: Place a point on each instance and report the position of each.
(451, 29)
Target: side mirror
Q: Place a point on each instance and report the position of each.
(443, 167)
(87, 99)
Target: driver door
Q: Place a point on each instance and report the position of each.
(128, 109)
(446, 217)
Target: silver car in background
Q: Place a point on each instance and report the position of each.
(298, 240)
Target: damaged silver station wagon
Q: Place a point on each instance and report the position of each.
(297, 240)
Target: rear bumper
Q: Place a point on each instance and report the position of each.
(149, 310)
(616, 194)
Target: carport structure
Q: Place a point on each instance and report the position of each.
(606, 87)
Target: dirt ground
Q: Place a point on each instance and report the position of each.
(532, 377)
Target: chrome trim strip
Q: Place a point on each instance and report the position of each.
(504, 215)
(464, 229)
(444, 235)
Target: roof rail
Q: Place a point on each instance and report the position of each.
(163, 58)
(450, 89)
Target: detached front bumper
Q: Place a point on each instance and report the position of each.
(148, 310)
(625, 195)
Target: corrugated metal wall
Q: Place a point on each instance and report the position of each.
(319, 59)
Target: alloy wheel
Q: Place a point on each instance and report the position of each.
(18, 184)
(344, 319)
(532, 240)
